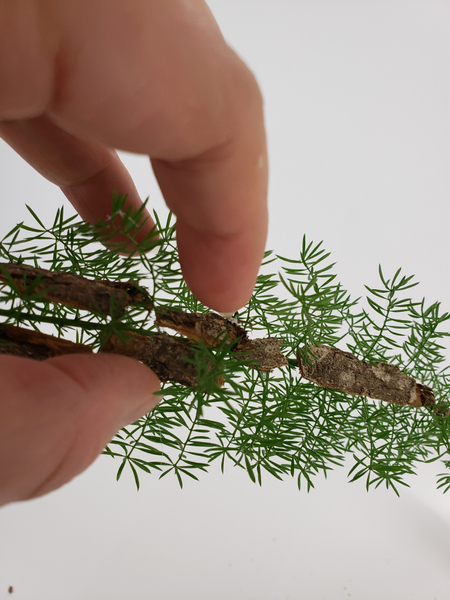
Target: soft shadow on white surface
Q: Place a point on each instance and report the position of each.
(357, 102)
(223, 538)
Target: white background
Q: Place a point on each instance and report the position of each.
(357, 98)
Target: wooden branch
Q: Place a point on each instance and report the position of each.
(74, 290)
(339, 370)
(212, 329)
(29, 343)
(165, 354)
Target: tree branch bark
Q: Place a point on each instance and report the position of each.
(74, 290)
(339, 370)
(165, 354)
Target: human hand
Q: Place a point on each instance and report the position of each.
(144, 76)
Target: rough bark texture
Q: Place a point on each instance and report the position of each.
(163, 353)
(211, 329)
(339, 370)
(74, 290)
(28, 343)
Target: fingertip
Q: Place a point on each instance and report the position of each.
(221, 271)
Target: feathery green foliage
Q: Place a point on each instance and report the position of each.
(272, 422)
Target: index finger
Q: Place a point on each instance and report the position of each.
(158, 78)
(220, 200)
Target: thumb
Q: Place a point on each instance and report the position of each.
(57, 415)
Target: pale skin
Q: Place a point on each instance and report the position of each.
(148, 76)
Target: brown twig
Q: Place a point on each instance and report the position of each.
(74, 290)
(165, 354)
(339, 370)
(29, 343)
(212, 329)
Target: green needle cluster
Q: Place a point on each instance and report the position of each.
(271, 422)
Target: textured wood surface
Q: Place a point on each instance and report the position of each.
(165, 354)
(74, 290)
(212, 329)
(29, 343)
(339, 370)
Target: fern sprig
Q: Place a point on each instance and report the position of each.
(273, 422)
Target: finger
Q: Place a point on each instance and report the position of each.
(222, 223)
(196, 110)
(158, 78)
(56, 416)
(86, 172)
